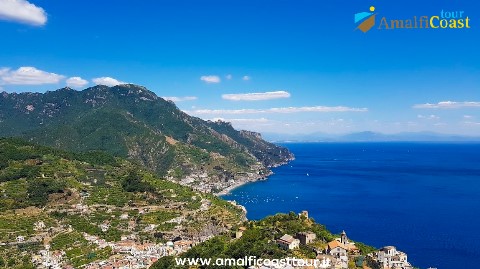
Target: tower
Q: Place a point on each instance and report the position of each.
(343, 238)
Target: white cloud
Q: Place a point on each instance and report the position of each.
(228, 76)
(242, 121)
(224, 111)
(180, 99)
(107, 81)
(471, 123)
(28, 76)
(256, 96)
(22, 11)
(448, 105)
(76, 82)
(246, 78)
(210, 79)
(317, 109)
(468, 116)
(276, 110)
(428, 117)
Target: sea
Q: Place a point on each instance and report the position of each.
(423, 198)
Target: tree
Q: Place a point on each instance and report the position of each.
(133, 183)
(166, 262)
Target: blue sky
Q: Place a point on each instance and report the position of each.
(269, 66)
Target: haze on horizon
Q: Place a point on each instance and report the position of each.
(291, 67)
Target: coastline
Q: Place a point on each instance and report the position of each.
(242, 182)
(227, 190)
(230, 188)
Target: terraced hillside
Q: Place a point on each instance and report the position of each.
(82, 204)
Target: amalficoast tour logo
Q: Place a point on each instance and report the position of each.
(365, 20)
(444, 20)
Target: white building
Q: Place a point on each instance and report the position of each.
(288, 242)
(39, 225)
(338, 250)
(104, 226)
(389, 257)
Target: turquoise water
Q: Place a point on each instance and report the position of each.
(421, 197)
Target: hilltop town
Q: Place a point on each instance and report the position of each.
(341, 253)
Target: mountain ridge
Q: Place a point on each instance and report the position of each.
(133, 122)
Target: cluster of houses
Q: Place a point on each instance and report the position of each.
(289, 242)
(128, 253)
(49, 259)
(341, 249)
(131, 254)
(202, 182)
(338, 252)
(335, 255)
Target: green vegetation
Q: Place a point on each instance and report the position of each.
(40, 188)
(131, 122)
(258, 240)
(17, 257)
(133, 183)
(66, 240)
(365, 249)
(158, 217)
(77, 249)
(108, 199)
(21, 223)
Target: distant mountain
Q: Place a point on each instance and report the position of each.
(370, 137)
(131, 121)
(317, 136)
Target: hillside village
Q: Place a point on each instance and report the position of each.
(60, 211)
(136, 247)
(131, 251)
(341, 253)
(310, 242)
